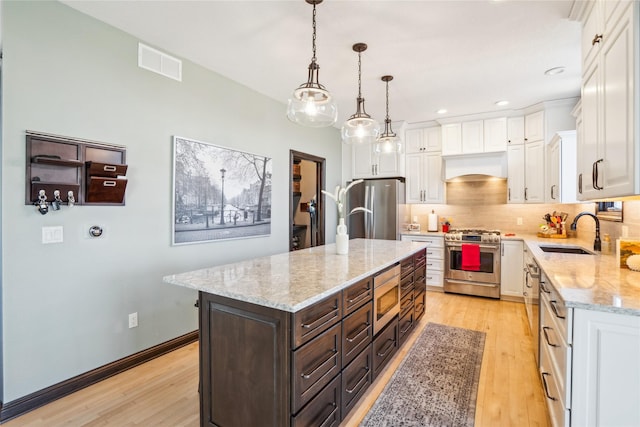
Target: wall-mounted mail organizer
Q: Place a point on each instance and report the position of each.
(73, 171)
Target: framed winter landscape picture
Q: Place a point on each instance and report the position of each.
(219, 193)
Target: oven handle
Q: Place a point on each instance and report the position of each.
(462, 282)
(459, 245)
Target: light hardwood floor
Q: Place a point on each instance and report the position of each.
(163, 392)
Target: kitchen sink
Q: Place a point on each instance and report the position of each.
(566, 250)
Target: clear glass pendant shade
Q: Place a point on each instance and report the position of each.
(311, 104)
(360, 128)
(388, 141)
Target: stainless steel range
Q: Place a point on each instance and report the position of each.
(472, 262)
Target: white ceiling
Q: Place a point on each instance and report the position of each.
(459, 55)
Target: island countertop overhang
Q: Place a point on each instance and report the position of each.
(291, 281)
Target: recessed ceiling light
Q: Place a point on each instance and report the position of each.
(555, 70)
(441, 111)
(502, 103)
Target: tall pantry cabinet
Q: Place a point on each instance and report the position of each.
(609, 148)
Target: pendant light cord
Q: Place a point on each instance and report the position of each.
(313, 40)
(359, 74)
(387, 118)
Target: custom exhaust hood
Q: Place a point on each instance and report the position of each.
(475, 167)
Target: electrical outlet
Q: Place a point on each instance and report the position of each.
(519, 221)
(133, 320)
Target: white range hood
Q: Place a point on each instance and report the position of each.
(475, 166)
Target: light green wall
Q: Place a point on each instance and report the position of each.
(65, 305)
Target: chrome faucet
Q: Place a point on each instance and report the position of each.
(597, 245)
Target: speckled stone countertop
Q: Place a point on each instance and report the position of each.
(292, 281)
(592, 282)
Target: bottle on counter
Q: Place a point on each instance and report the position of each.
(606, 244)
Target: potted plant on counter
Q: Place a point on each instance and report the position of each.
(340, 197)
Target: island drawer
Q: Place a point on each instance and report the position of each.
(356, 295)
(356, 378)
(406, 266)
(313, 320)
(419, 303)
(419, 258)
(405, 326)
(357, 333)
(406, 285)
(315, 365)
(406, 303)
(323, 410)
(385, 346)
(420, 275)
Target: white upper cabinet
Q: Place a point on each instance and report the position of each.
(495, 134)
(534, 126)
(561, 168)
(451, 139)
(472, 137)
(515, 173)
(610, 139)
(515, 130)
(424, 182)
(526, 173)
(423, 140)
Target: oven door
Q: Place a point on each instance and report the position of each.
(489, 271)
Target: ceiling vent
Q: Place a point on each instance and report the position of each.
(158, 62)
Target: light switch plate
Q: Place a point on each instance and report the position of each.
(52, 234)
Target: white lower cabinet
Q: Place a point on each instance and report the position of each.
(589, 364)
(511, 267)
(606, 369)
(435, 257)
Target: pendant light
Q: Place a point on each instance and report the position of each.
(311, 104)
(360, 127)
(388, 141)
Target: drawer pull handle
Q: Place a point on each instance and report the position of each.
(320, 320)
(554, 308)
(544, 288)
(365, 326)
(109, 168)
(406, 304)
(404, 331)
(329, 421)
(429, 278)
(596, 39)
(359, 382)
(109, 184)
(389, 345)
(546, 387)
(546, 336)
(332, 353)
(359, 297)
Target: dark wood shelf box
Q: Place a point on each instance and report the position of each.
(107, 170)
(105, 190)
(56, 161)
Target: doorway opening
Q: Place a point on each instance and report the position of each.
(306, 210)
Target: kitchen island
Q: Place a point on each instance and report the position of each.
(289, 339)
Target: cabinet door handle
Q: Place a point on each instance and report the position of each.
(372, 170)
(509, 192)
(596, 39)
(595, 182)
(552, 195)
(364, 327)
(525, 193)
(546, 336)
(109, 184)
(544, 288)
(331, 352)
(109, 168)
(363, 378)
(554, 308)
(580, 183)
(546, 387)
(389, 345)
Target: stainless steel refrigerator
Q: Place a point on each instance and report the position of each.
(386, 200)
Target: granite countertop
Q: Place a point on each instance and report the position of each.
(292, 281)
(592, 282)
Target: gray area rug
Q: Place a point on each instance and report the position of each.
(436, 384)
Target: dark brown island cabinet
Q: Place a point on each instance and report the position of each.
(261, 366)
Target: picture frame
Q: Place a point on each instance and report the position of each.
(219, 193)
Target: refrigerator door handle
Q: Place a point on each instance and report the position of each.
(366, 217)
(373, 213)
